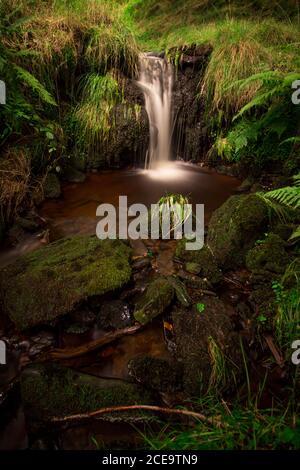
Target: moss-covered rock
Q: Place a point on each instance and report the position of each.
(201, 262)
(207, 346)
(234, 228)
(154, 301)
(53, 391)
(269, 255)
(51, 281)
(52, 189)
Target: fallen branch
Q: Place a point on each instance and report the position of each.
(102, 411)
(70, 353)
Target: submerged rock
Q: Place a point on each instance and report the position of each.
(154, 301)
(54, 391)
(52, 189)
(52, 281)
(157, 374)
(73, 175)
(114, 314)
(206, 345)
(199, 262)
(235, 227)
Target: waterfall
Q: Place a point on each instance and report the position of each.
(156, 81)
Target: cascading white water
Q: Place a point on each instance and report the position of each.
(156, 81)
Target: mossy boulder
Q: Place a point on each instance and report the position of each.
(52, 281)
(54, 391)
(154, 301)
(269, 255)
(235, 227)
(200, 262)
(206, 345)
(52, 189)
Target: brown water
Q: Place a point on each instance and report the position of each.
(75, 212)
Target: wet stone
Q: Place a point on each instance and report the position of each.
(114, 314)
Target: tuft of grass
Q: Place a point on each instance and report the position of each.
(15, 182)
(242, 429)
(218, 376)
(93, 118)
(112, 47)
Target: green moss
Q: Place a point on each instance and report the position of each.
(157, 297)
(48, 283)
(199, 262)
(270, 255)
(234, 228)
(56, 391)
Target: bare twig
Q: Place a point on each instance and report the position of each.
(102, 411)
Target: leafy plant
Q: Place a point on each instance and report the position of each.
(179, 209)
(263, 129)
(200, 307)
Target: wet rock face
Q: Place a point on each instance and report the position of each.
(128, 141)
(235, 227)
(206, 345)
(154, 301)
(66, 272)
(190, 141)
(156, 374)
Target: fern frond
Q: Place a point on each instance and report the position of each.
(35, 85)
(288, 196)
(290, 140)
(295, 235)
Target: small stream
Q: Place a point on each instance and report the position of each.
(74, 213)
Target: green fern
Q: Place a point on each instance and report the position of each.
(34, 84)
(282, 201)
(288, 196)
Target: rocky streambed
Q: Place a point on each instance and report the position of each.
(93, 324)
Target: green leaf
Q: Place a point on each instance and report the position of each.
(200, 307)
